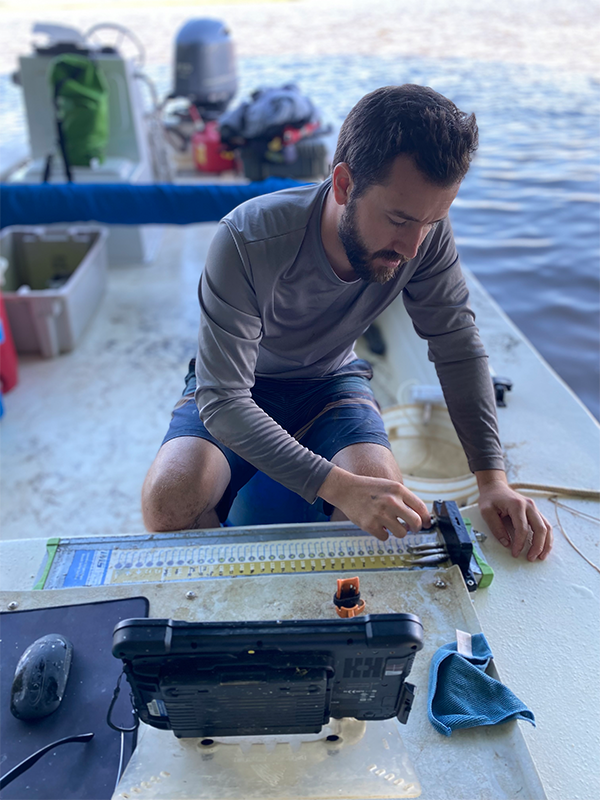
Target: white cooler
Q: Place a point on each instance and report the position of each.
(53, 284)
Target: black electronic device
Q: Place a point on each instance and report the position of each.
(206, 679)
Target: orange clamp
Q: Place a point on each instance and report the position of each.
(347, 599)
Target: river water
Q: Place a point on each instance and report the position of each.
(527, 218)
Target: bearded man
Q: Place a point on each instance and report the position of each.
(291, 280)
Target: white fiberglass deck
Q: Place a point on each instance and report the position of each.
(80, 431)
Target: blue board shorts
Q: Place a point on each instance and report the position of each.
(323, 414)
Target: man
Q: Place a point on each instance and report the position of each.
(291, 280)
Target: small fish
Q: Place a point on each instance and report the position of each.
(430, 560)
(427, 547)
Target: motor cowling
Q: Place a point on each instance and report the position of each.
(205, 68)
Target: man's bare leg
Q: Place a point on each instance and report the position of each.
(366, 458)
(184, 484)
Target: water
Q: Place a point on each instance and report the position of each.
(527, 219)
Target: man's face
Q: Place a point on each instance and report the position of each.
(383, 228)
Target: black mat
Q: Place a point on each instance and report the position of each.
(72, 771)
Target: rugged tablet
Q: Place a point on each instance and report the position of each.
(202, 679)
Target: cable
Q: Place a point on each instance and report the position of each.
(121, 759)
(564, 533)
(575, 511)
(111, 706)
(584, 494)
(565, 491)
(568, 491)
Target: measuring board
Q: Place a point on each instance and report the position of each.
(223, 553)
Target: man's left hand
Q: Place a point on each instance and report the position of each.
(513, 519)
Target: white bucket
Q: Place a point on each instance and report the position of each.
(429, 453)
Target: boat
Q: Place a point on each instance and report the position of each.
(79, 433)
(79, 476)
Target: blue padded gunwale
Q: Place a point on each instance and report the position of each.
(127, 203)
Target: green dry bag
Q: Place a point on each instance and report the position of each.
(81, 103)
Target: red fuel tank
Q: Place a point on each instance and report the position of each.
(210, 155)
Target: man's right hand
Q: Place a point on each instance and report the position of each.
(376, 505)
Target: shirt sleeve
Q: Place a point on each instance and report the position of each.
(229, 338)
(437, 300)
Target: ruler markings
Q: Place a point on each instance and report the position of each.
(98, 566)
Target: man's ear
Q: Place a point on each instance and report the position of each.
(341, 183)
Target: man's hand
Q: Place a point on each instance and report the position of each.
(513, 519)
(376, 505)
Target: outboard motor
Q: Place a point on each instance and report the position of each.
(205, 70)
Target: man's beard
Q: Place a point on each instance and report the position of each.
(361, 261)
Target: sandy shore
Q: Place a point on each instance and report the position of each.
(552, 33)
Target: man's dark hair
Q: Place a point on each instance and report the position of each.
(412, 120)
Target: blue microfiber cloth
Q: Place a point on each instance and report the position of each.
(461, 695)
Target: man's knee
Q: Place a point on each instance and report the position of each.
(369, 459)
(184, 484)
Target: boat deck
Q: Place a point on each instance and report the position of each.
(80, 431)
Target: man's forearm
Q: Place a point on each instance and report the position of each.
(469, 395)
(240, 424)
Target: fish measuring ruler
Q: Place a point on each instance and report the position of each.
(226, 553)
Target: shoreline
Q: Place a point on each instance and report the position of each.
(544, 33)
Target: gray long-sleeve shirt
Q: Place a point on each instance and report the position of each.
(272, 306)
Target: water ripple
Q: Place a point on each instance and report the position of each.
(527, 216)
(494, 244)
